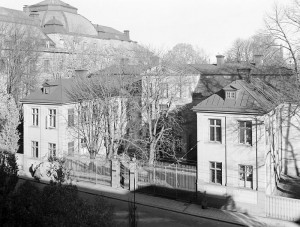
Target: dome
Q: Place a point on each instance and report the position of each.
(66, 15)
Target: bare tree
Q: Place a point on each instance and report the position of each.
(184, 53)
(282, 24)
(244, 50)
(19, 52)
(102, 112)
(9, 121)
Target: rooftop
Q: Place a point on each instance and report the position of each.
(253, 97)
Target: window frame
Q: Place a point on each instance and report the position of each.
(244, 129)
(230, 94)
(52, 149)
(245, 176)
(215, 131)
(52, 118)
(35, 116)
(214, 169)
(71, 118)
(35, 149)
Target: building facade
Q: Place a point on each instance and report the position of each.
(242, 132)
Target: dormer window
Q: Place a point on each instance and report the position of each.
(230, 94)
(46, 90)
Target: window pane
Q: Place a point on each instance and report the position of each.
(211, 122)
(219, 176)
(218, 134)
(212, 165)
(218, 122)
(248, 124)
(249, 137)
(242, 135)
(219, 165)
(212, 176)
(212, 134)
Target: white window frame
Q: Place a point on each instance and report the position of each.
(35, 116)
(52, 149)
(35, 149)
(214, 169)
(231, 94)
(51, 121)
(214, 126)
(246, 131)
(245, 176)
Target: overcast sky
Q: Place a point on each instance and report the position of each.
(210, 24)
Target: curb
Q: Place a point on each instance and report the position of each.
(87, 190)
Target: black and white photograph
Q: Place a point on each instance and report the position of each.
(148, 113)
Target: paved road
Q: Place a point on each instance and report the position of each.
(151, 216)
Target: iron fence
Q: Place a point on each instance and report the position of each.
(175, 181)
(96, 171)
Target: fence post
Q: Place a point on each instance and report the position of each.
(115, 173)
(132, 176)
(96, 171)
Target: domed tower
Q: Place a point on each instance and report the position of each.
(54, 13)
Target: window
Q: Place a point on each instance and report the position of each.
(35, 149)
(46, 65)
(47, 44)
(84, 114)
(83, 142)
(230, 94)
(164, 90)
(246, 176)
(52, 118)
(215, 130)
(52, 149)
(163, 107)
(35, 116)
(46, 90)
(245, 132)
(178, 91)
(71, 148)
(70, 117)
(216, 172)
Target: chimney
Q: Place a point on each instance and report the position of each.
(244, 73)
(258, 59)
(26, 9)
(126, 33)
(220, 60)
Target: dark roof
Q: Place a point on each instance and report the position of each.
(105, 32)
(58, 93)
(231, 69)
(255, 97)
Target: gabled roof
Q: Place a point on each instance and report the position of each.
(255, 97)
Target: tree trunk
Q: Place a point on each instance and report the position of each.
(152, 153)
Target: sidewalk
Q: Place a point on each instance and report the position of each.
(234, 218)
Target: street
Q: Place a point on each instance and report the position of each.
(149, 216)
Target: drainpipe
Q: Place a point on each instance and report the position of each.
(256, 154)
(225, 154)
